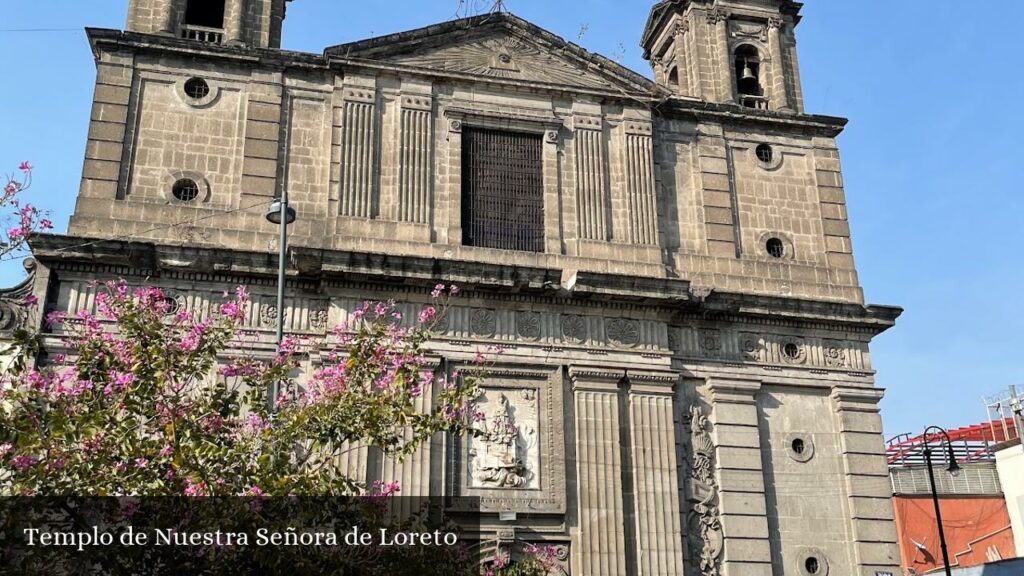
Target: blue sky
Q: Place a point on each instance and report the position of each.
(932, 156)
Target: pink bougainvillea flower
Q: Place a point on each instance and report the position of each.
(25, 166)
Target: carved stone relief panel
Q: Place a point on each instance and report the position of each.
(505, 451)
(516, 461)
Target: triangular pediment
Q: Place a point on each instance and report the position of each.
(500, 46)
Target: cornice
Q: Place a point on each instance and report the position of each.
(316, 267)
(733, 114)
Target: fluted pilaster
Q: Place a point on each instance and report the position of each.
(358, 185)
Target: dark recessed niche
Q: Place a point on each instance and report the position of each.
(765, 153)
(775, 248)
(185, 190)
(197, 88)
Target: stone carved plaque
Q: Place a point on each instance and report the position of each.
(505, 451)
(517, 461)
(622, 333)
(483, 323)
(574, 329)
(528, 325)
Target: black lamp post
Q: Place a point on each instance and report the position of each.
(954, 470)
(282, 214)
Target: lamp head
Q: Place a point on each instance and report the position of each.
(273, 214)
(954, 467)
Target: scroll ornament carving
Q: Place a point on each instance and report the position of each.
(717, 15)
(499, 456)
(624, 333)
(751, 348)
(835, 355)
(704, 517)
(455, 125)
(776, 23)
(12, 315)
(483, 323)
(528, 325)
(574, 329)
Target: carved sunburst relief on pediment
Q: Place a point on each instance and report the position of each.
(505, 57)
(501, 46)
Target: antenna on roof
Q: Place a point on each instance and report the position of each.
(499, 6)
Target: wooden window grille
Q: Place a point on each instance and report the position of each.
(502, 190)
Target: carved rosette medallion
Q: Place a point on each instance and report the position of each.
(710, 342)
(318, 319)
(574, 329)
(705, 539)
(268, 316)
(835, 355)
(504, 452)
(622, 333)
(442, 323)
(483, 323)
(528, 325)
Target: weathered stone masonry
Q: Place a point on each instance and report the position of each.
(687, 368)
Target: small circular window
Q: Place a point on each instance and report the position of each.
(775, 248)
(812, 565)
(197, 88)
(798, 446)
(765, 153)
(185, 190)
(791, 350)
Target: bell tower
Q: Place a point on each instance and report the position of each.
(253, 23)
(739, 52)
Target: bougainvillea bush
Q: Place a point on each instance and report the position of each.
(150, 402)
(18, 219)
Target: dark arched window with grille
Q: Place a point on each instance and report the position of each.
(206, 13)
(502, 190)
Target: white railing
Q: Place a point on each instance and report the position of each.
(202, 34)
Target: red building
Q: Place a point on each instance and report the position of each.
(974, 511)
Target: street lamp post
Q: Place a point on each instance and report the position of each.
(954, 470)
(282, 214)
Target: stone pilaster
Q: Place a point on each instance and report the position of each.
(868, 488)
(599, 541)
(746, 548)
(780, 93)
(655, 475)
(592, 199)
(359, 143)
(681, 61)
(415, 182)
(640, 192)
(413, 474)
(726, 84)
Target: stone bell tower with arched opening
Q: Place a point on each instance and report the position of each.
(254, 23)
(741, 52)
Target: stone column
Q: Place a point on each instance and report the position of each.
(234, 22)
(780, 94)
(655, 473)
(868, 488)
(599, 547)
(746, 548)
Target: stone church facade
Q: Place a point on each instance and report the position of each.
(687, 386)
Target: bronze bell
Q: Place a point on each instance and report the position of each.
(748, 73)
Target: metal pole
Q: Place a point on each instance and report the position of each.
(935, 500)
(282, 253)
